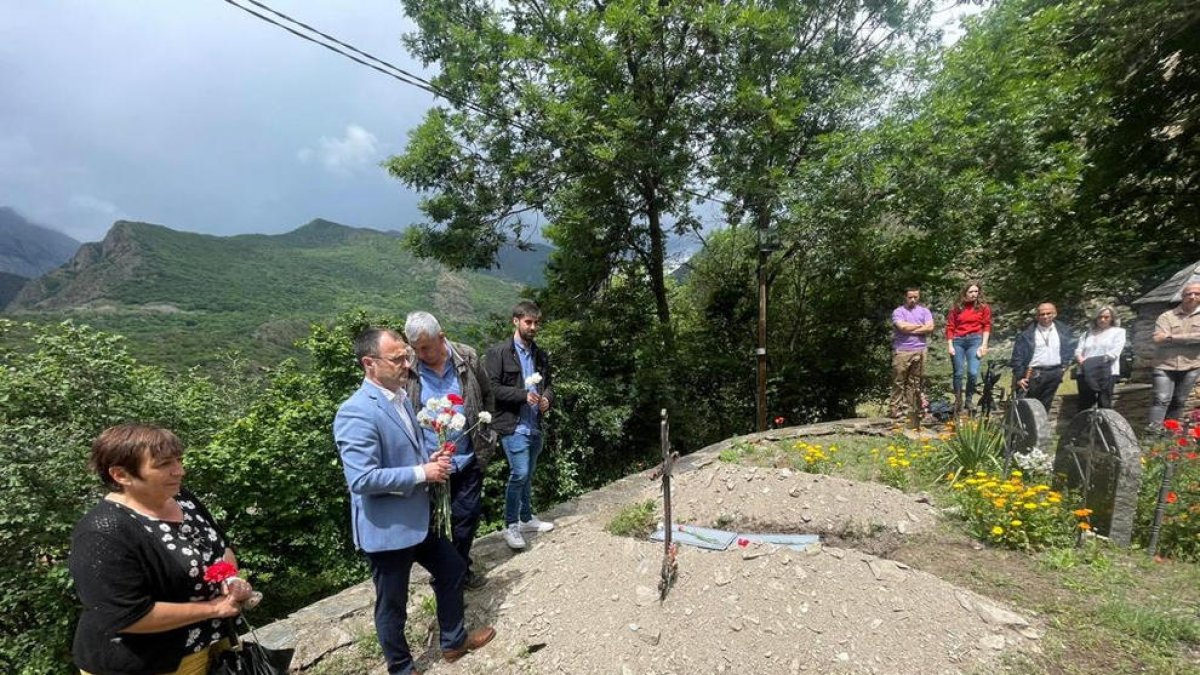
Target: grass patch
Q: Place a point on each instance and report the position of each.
(635, 520)
(1149, 624)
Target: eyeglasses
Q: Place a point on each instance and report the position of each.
(1045, 313)
(394, 360)
(1192, 294)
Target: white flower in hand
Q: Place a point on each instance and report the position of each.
(424, 417)
(485, 417)
(533, 379)
(443, 419)
(457, 422)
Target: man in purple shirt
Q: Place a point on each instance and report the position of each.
(911, 323)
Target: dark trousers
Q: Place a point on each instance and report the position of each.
(466, 508)
(390, 570)
(1095, 383)
(1044, 385)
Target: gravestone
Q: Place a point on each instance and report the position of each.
(1099, 456)
(1026, 427)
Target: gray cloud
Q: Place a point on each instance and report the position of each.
(191, 115)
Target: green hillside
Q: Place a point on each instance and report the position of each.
(184, 298)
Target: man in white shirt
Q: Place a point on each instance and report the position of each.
(1040, 354)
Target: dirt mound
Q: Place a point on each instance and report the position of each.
(582, 601)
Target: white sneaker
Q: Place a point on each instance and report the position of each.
(512, 537)
(535, 525)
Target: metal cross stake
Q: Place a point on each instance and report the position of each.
(669, 566)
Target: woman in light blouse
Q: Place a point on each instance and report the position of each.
(1099, 357)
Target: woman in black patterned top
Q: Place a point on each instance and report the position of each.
(138, 559)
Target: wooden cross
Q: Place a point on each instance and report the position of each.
(669, 566)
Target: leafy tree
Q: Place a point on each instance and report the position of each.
(55, 398)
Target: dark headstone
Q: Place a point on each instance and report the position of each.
(1099, 456)
(1026, 427)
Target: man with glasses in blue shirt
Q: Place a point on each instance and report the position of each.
(443, 368)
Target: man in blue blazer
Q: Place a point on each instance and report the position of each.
(388, 471)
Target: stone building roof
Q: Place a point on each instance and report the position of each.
(1168, 291)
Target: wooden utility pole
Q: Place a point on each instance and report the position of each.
(764, 252)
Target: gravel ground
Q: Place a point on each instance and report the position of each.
(580, 600)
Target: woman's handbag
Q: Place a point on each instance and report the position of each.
(251, 658)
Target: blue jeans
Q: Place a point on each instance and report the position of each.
(966, 353)
(522, 452)
(1171, 391)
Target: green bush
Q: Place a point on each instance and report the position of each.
(974, 446)
(57, 392)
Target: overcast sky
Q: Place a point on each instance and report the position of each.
(198, 116)
(195, 115)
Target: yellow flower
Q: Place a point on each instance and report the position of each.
(1015, 523)
(1017, 474)
(997, 531)
(1030, 505)
(999, 503)
(1082, 513)
(1084, 526)
(981, 474)
(958, 486)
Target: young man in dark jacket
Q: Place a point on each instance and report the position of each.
(519, 373)
(1041, 354)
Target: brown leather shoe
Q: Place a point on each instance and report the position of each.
(475, 639)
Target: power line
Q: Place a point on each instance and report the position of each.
(395, 72)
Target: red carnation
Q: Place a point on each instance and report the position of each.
(1192, 455)
(449, 447)
(1195, 432)
(219, 571)
(1171, 425)
(779, 421)
(743, 543)
(454, 399)
(1181, 442)
(1172, 497)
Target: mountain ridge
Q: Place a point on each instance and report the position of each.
(251, 292)
(28, 249)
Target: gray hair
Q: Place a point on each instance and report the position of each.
(418, 324)
(1116, 319)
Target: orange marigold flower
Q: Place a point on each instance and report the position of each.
(1082, 513)
(1172, 497)
(1084, 526)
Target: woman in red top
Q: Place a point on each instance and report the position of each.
(967, 329)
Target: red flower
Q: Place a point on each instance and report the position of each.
(455, 399)
(1171, 425)
(1172, 497)
(1181, 442)
(1172, 456)
(779, 421)
(449, 448)
(1192, 455)
(219, 571)
(1195, 432)
(743, 542)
